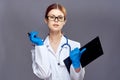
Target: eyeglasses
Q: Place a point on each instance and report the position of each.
(53, 18)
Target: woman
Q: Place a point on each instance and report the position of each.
(49, 55)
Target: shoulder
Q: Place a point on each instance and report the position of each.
(74, 44)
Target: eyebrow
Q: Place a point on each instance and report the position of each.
(55, 15)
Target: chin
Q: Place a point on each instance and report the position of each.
(55, 30)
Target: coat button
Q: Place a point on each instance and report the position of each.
(58, 63)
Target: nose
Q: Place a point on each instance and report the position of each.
(56, 19)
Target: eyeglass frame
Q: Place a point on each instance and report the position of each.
(56, 18)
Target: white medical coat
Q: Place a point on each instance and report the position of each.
(45, 61)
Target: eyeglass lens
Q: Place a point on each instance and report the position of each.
(53, 18)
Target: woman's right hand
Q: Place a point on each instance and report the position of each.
(34, 38)
(75, 56)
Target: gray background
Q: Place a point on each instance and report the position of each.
(86, 19)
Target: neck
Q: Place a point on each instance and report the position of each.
(55, 36)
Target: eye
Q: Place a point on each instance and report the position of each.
(51, 17)
(61, 17)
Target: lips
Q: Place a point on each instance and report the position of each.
(56, 25)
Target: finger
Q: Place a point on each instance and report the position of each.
(34, 34)
(83, 50)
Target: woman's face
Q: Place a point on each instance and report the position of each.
(55, 20)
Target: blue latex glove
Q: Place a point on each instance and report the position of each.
(35, 39)
(75, 56)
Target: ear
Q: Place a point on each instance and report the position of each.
(65, 22)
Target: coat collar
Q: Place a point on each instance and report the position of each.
(63, 41)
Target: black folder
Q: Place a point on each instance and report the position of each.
(93, 51)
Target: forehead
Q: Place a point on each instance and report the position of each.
(55, 12)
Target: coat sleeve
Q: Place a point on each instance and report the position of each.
(77, 76)
(73, 74)
(40, 59)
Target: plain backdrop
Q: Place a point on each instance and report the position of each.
(86, 19)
